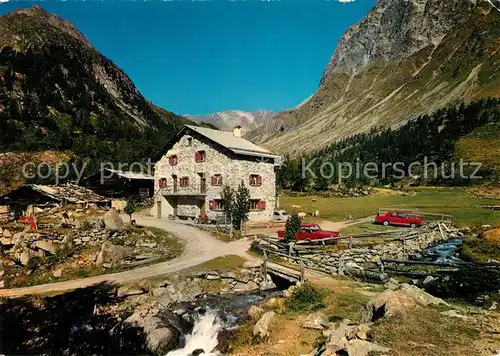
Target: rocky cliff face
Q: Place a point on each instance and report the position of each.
(228, 119)
(395, 28)
(57, 91)
(405, 59)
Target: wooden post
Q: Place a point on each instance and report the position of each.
(350, 242)
(290, 249)
(404, 247)
(441, 230)
(302, 271)
(264, 266)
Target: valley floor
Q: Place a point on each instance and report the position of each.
(465, 205)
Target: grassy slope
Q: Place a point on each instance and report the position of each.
(482, 145)
(456, 202)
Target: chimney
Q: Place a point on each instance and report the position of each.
(237, 131)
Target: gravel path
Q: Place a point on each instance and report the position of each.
(199, 247)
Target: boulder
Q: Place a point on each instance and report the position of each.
(318, 321)
(125, 291)
(428, 280)
(255, 312)
(390, 285)
(228, 275)
(390, 303)
(357, 347)
(252, 264)
(2, 284)
(6, 233)
(245, 287)
(386, 304)
(112, 220)
(24, 258)
(47, 246)
(110, 254)
(147, 244)
(276, 304)
(453, 314)
(420, 296)
(160, 338)
(6, 242)
(261, 328)
(353, 269)
(58, 273)
(349, 339)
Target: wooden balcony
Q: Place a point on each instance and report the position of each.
(192, 189)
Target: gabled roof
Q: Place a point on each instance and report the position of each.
(65, 193)
(130, 175)
(237, 145)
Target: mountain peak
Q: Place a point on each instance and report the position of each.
(397, 28)
(31, 27)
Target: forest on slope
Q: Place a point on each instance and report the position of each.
(445, 137)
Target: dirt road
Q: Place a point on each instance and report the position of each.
(199, 247)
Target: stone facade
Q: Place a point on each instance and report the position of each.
(172, 198)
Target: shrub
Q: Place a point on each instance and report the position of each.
(305, 298)
(130, 208)
(291, 227)
(479, 249)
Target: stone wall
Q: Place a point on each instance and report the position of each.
(233, 169)
(336, 262)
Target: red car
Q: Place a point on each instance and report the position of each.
(398, 218)
(311, 232)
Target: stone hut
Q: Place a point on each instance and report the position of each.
(192, 169)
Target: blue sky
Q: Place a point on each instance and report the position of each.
(194, 57)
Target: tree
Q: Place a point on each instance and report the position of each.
(291, 227)
(241, 206)
(227, 200)
(130, 208)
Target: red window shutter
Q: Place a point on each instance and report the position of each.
(261, 205)
(197, 156)
(259, 181)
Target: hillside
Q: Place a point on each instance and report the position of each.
(426, 150)
(403, 60)
(57, 92)
(228, 119)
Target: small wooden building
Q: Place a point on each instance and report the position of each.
(24, 200)
(120, 184)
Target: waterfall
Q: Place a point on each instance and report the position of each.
(203, 336)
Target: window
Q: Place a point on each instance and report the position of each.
(200, 156)
(217, 179)
(256, 204)
(184, 181)
(216, 204)
(144, 192)
(172, 160)
(162, 182)
(189, 141)
(255, 180)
